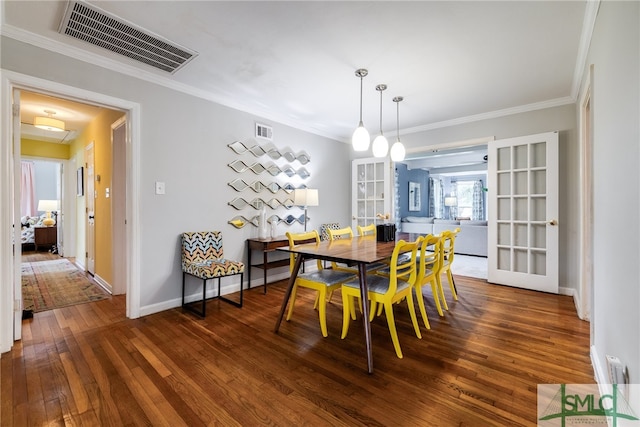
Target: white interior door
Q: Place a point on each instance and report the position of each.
(523, 212)
(371, 190)
(91, 202)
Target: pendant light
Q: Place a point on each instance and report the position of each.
(361, 139)
(397, 149)
(380, 145)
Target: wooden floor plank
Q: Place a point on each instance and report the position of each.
(479, 364)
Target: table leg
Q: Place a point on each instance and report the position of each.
(264, 270)
(364, 297)
(287, 294)
(248, 265)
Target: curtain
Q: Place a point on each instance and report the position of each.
(436, 198)
(453, 210)
(28, 190)
(478, 201)
(432, 197)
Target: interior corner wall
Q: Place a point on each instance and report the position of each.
(405, 176)
(184, 143)
(98, 131)
(615, 98)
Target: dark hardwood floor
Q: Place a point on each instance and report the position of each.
(87, 365)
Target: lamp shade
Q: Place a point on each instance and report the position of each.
(305, 197)
(450, 201)
(47, 205)
(49, 123)
(360, 138)
(397, 151)
(380, 146)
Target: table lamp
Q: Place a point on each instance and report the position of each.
(48, 206)
(305, 197)
(451, 202)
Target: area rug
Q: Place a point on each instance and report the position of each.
(58, 283)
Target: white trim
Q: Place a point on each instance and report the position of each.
(599, 370)
(588, 25)
(138, 72)
(492, 115)
(449, 145)
(10, 80)
(585, 230)
(141, 73)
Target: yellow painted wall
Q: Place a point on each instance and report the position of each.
(99, 131)
(29, 147)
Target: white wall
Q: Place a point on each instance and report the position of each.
(184, 144)
(615, 55)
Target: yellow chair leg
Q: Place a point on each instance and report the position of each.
(412, 312)
(322, 311)
(441, 291)
(423, 311)
(388, 309)
(451, 285)
(436, 297)
(292, 301)
(347, 310)
(352, 307)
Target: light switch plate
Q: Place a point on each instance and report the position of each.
(159, 187)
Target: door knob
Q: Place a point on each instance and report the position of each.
(553, 222)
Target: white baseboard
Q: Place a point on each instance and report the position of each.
(103, 283)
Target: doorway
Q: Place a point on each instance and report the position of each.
(10, 325)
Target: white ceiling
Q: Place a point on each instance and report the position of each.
(294, 62)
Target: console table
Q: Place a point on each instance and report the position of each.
(45, 236)
(265, 246)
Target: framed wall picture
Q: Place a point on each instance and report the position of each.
(80, 181)
(414, 196)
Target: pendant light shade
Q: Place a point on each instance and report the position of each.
(49, 123)
(361, 139)
(380, 145)
(397, 149)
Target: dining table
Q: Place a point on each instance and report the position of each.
(360, 251)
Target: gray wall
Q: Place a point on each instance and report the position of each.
(184, 143)
(614, 54)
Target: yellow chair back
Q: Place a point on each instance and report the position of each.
(367, 230)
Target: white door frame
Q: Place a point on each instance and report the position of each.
(585, 257)
(10, 80)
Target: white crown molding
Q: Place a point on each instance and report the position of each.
(588, 25)
(102, 61)
(132, 71)
(492, 114)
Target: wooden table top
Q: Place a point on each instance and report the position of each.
(364, 249)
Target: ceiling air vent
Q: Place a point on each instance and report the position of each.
(93, 25)
(264, 131)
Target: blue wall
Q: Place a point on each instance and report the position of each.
(414, 175)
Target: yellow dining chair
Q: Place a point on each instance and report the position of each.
(324, 281)
(428, 272)
(367, 230)
(336, 234)
(447, 256)
(387, 290)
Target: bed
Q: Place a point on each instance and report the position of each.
(27, 237)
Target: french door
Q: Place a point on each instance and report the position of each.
(371, 190)
(523, 212)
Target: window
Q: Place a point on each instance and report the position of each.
(465, 198)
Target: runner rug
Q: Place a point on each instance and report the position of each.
(53, 284)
